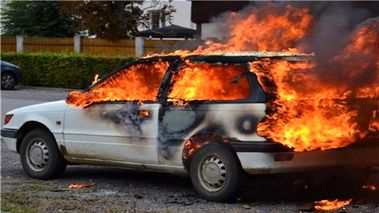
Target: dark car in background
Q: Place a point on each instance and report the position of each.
(10, 75)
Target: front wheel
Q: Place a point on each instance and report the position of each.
(40, 156)
(216, 173)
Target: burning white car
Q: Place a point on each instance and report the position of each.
(195, 114)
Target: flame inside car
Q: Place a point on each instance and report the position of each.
(140, 80)
(330, 205)
(310, 108)
(190, 83)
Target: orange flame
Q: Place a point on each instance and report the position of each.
(80, 186)
(190, 148)
(144, 113)
(277, 31)
(267, 28)
(209, 82)
(305, 116)
(330, 205)
(137, 83)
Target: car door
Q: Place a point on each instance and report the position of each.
(206, 100)
(117, 119)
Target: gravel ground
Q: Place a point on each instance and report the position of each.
(121, 190)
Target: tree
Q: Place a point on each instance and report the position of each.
(113, 19)
(37, 18)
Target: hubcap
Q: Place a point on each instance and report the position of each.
(7, 81)
(212, 173)
(37, 155)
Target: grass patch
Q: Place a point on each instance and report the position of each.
(16, 202)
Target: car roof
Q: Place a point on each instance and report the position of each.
(235, 56)
(256, 54)
(227, 57)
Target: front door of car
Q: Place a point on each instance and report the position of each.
(117, 119)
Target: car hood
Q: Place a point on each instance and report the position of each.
(54, 106)
(7, 64)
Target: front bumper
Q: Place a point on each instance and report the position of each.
(8, 136)
(275, 158)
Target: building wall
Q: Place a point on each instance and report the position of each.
(181, 17)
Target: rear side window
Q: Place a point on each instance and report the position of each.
(214, 82)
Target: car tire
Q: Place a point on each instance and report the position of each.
(8, 80)
(216, 173)
(40, 156)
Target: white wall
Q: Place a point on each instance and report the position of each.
(181, 17)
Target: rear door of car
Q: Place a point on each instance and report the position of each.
(119, 130)
(206, 99)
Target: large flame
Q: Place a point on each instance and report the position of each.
(310, 113)
(304, 117)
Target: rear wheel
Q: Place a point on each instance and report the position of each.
(8, 80)
(216, 173)
(40, 156)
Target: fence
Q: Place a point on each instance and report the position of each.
(95, 46)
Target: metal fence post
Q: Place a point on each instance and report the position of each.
(77, 44)
(20, 43)
(139, 46)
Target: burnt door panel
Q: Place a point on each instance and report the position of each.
(206, 100)
(226, 121)
(120, 132)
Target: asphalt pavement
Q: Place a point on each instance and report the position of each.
(121, 190)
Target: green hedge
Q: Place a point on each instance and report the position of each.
(62, 70)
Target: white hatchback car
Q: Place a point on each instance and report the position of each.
(213, 139)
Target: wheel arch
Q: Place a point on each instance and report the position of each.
(9, 71)
(27, 127)
(199, 141)
(12, 72)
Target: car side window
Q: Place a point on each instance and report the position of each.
(211, 82)
(138, 82)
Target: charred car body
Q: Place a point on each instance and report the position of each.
(167, 124)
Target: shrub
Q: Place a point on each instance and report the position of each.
(62, 70)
